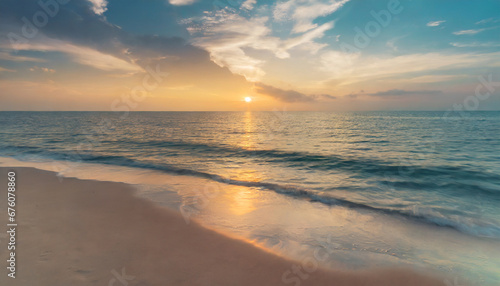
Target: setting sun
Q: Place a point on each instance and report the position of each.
(248, 99)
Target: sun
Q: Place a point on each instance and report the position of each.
(248, 99)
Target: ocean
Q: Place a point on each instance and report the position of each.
(417, 189)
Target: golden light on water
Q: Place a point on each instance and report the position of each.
(248, 99)
(242, 201)
(247, 140)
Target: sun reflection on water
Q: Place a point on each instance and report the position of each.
(247, 140)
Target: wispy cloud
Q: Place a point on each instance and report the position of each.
(468, 32)
(323, 96)
(401, 92)
(305, 12)
(489, 20)
(42, 69)
(281, 94)
(392, 43)
(475, 45)
(308, 38)
(435, 23)
(16, 58)
(349, 68)
(6, 70)
(181, 2)
(289, 96)
(336, 63)
(430, 78)
(82, 55)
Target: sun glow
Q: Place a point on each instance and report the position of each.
(248, 99)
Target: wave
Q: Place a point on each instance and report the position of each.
(320, 162)
(457, 180)
(475, 227)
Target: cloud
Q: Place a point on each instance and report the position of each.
(307, 38)
(224, 35)
(289, 96)
(475, 45)
(228, 36)
(435, 23)
(348, 68)
(6, 70)
(305, 12)
(15, 58)
(337, 63)
(42, 69)
(392, 45)
(99, 6)
(181, 2)
(489, 20)
(468, 32)
(401, 92)
(82, 55)
(282, 95)
(323, 97)
(248, 4)
(422, 79)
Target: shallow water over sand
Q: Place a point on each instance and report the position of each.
(310, 232)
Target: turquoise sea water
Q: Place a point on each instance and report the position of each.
(397, 179)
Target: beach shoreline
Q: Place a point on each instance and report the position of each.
(84, 232)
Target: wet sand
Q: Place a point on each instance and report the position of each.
(83, 232)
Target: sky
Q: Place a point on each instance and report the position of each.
(205, 55)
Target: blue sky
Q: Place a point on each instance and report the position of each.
(295, 54)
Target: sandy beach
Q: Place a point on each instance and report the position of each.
(82, 232)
